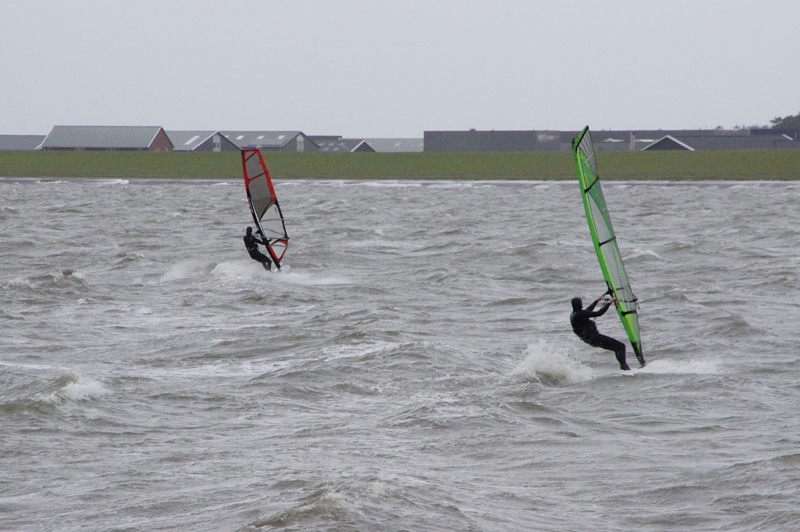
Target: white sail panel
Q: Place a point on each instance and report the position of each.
(604, 239)
(264, 205)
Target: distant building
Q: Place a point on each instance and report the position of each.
(337, 144)
(743, 142)
(341, 145)
(613, 140)
(288, 141)
(397, 145)
(20, 142)
(474, 140)
(213, 141)
(789, 134)
(698, 139)
(666, 143)
(107, 138)
(323, 138)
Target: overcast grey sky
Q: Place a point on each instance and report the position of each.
(395, 68)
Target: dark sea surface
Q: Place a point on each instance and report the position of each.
(412, 368)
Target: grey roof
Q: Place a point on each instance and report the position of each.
(668, 142)
(20, 142)
(341, 145)
(397, 145)
(473, 140)
(201, 141)
(101, 137)
(748, 142)
(189, 140)
(261, 139)
(790, 133)
(613, 140)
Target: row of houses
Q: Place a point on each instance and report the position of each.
(155, 138)
(614, 140)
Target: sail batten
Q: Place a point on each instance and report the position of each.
(604, 238)
(264, 205)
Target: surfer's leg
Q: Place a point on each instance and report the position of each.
(606, 342)
(263, 259)
(620, 354)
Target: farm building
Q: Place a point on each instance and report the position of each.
(695, 140)
(667, 143)
(213, 141)
(20, 142)
(290, 141)
(337, 144)
(613, 140)
(474, 140)
(341, 145)
(396, 145)
(107, 138)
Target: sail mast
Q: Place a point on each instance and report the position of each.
(264, 205)
(604, 238)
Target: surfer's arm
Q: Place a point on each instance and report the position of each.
(601, 311)
(591, 313)
(264, 240)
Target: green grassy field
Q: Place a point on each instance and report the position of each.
(657, 165)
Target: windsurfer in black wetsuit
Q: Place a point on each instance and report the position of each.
(586, 329)
(251, 243)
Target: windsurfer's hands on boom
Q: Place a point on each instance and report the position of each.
(605, 299)
(264, 240)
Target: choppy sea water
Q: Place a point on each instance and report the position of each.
(411, 369)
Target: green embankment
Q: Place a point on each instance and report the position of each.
(657, 165)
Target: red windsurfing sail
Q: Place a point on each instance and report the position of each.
(264, 205)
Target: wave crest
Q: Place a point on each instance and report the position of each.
(552, 364)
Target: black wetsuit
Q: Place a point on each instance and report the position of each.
(586, 329)
(251, 243)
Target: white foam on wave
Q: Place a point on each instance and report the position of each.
(350, 351)
(711, 366)
(311, 279)
(554, 363)
(329, 501)
(106, 182)
(220, 369)
(239, 269)
(84, 389)
(636, 253)
(186, 269)
(386, 184)
(248, 269)
(382, 244)
(73, 387)
(47, 278)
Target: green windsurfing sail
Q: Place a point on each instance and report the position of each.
(605, 241)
